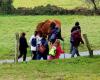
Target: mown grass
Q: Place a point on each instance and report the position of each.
(61, 3)
(9, 25)
(83, 68)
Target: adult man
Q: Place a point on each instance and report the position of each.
(76, 35)
(74, 28)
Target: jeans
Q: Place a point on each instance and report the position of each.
(34, 55)
(41, 55)
(75, 51)
(71, 47)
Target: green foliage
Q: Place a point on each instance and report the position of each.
(60, 3)
(48, 9)
(6, 6)
(52, 10)
(94, 3)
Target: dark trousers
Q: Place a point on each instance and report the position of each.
(41, 55)
(34, 55)
(71, 47)
(23, 53)
(75, 51)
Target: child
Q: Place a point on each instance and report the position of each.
(56, 50)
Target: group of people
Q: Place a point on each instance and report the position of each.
(49, 47)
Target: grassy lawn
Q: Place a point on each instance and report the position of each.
(83, 68)
(11, 24)
(61, 3)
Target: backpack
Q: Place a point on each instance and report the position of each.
(33, 42)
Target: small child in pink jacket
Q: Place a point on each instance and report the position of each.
(58, 50)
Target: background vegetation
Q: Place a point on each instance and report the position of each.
(49, 7)
(60, 3)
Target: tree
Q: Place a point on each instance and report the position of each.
(6, 6)
(0, 2)
(94, 3)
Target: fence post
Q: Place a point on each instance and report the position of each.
(88, 45)
(16, 47)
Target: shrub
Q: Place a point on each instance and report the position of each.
(6, 6)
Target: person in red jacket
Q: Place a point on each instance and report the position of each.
(59, 50)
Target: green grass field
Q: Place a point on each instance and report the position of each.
(83, 68)
(9, 25)
(61, 3)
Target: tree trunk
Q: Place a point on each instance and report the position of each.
(95, 6)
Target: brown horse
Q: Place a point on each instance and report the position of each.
(44, 27)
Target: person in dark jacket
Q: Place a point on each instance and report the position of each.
(55, 33)
(23, 46)
(76, 35)
(74, 28)
(45, 45)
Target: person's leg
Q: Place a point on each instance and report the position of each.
(73, 51)
(71, 47)
(24, 55)
(20, 55)
(51, 57)
(77, 52)
(34, 55)
(39, 56)
(45, 57)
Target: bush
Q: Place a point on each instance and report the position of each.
(6, 6)
(41, 10)
(23, 11)
(48, 10)
(52, 10)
